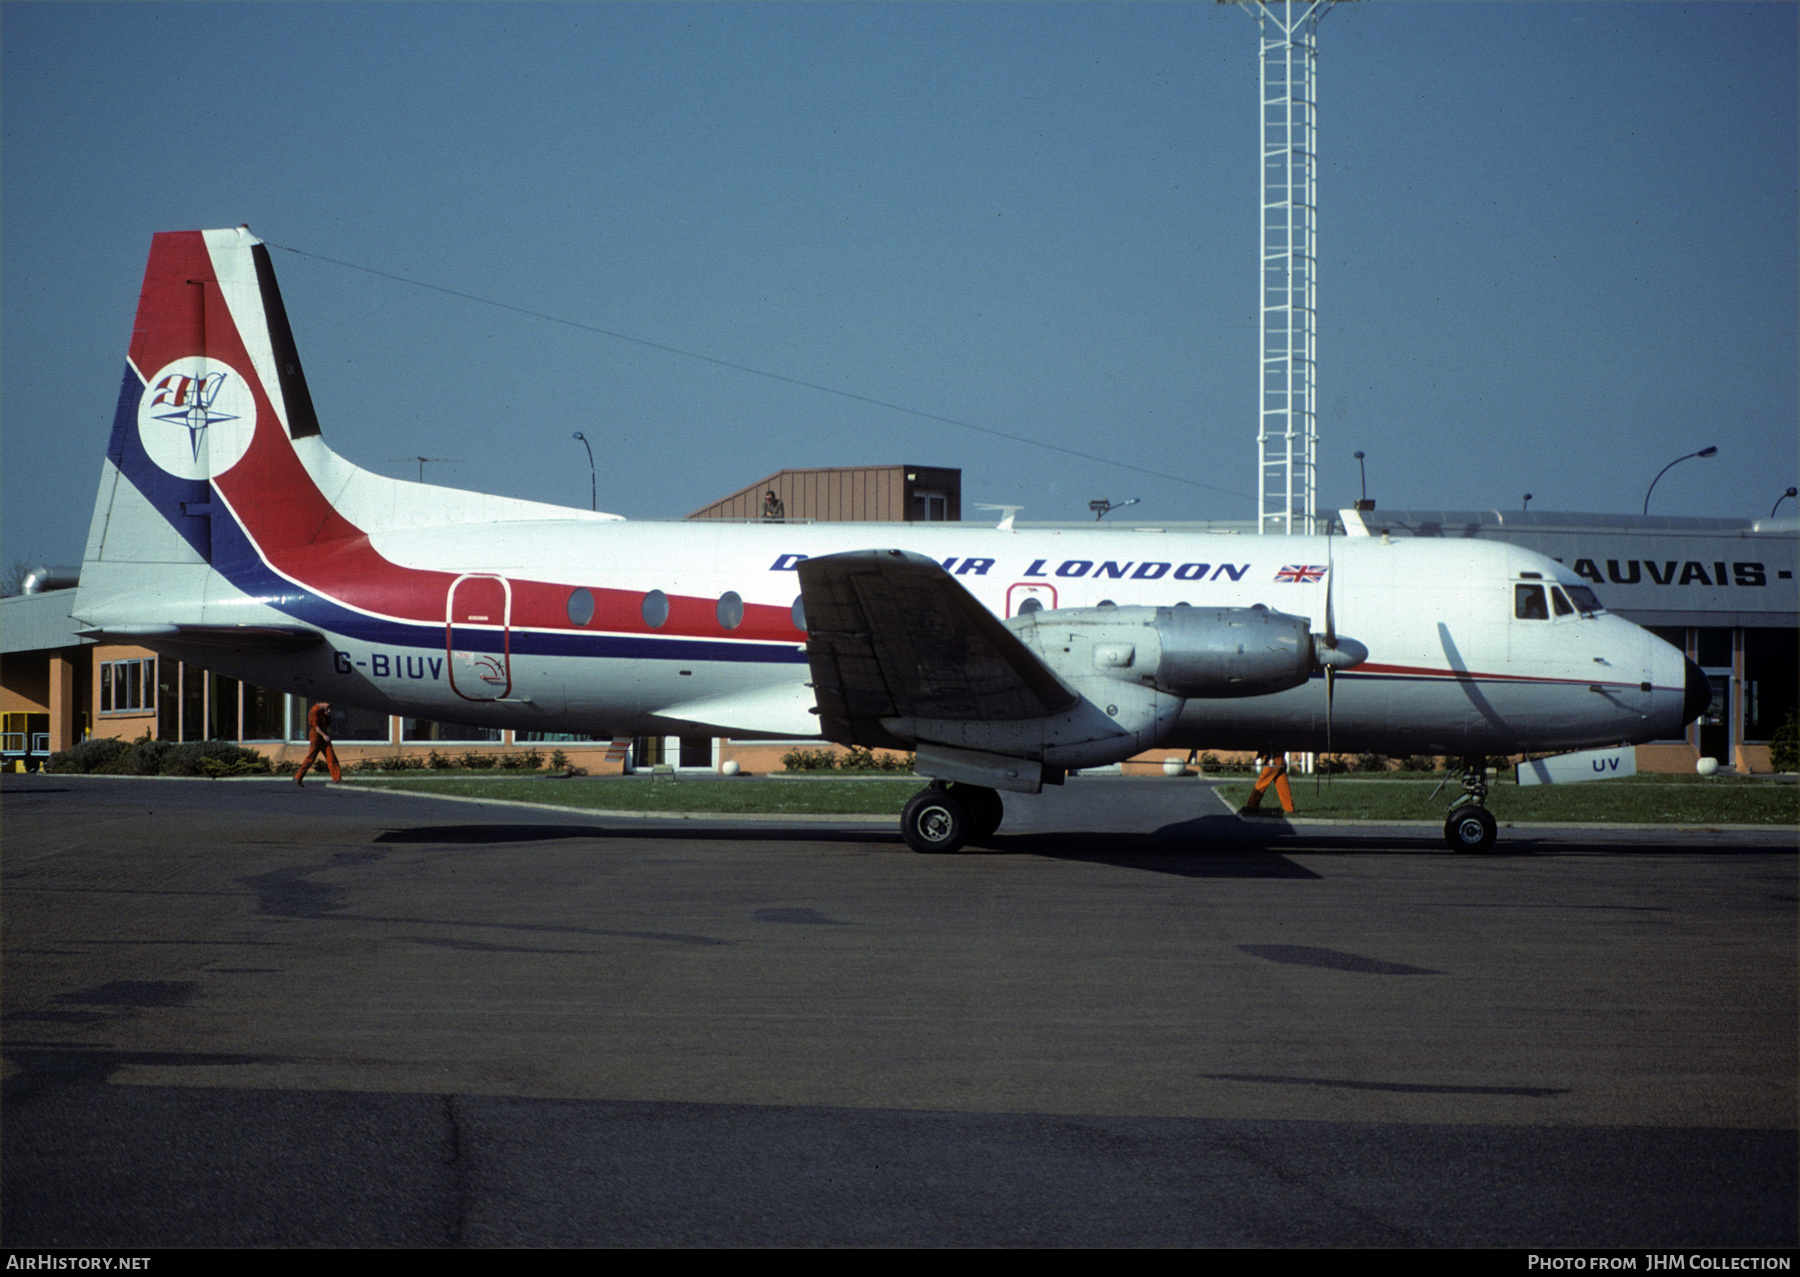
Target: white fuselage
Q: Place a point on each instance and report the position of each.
(1451, 668)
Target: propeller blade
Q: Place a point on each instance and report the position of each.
(1330, 589)
(1330, 695)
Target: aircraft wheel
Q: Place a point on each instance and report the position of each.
(1470, 829)
(985, 809)
(934, 820)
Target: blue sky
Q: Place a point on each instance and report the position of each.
(1558, 243)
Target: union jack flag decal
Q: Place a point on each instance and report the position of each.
(1301, 575)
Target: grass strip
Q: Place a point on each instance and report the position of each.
(747, 795)
(1638, 801)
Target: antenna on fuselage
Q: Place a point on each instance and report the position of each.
(1007, 514)
(422, 460)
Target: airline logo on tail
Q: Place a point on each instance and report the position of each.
(196, 417)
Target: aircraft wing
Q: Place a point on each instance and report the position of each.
(891, 634)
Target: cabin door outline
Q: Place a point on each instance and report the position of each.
(477, 609)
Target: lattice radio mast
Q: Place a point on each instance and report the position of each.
(1287, 428)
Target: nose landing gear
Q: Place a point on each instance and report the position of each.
(1470, 826)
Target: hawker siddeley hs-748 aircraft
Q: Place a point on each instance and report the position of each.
(228, 534)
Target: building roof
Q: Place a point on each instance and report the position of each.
(38, 622)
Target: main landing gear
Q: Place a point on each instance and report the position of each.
(1471, 826)
(943, 817)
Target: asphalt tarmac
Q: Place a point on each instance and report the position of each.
(239, 1014)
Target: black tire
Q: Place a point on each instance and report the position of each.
(934, 820)
(985, 809)
(1470, 829)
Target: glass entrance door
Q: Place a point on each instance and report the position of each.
(1715, 723)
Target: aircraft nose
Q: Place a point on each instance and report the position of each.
(1699, 694)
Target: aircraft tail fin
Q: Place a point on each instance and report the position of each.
(216, 463)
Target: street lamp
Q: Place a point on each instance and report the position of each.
(1363, 503)
(1791, 492)
(1704, 452)
(1527, 504)
(593, 483)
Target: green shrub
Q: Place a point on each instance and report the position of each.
(388, 763)
(89, 756)
(477, 762)
(810, 760)
(108, 756)
(1370, 763)
(1419, 763)
(1784, 746)
(559, 761)
(438, 762)
(218, 767)
(532, 760)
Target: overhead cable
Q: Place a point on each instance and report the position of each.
(759, 372)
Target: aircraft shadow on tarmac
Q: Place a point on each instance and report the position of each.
(1206, 847)
(1209, 846)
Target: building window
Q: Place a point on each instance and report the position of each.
(127, 687)
(1771, 680)
(193, 702)
(553, 738)
(930, 507)
(425, 729)
(1712, 648)
(348, 724)
(221, 707)
(696, 751)
(168, 700)
(265, 714)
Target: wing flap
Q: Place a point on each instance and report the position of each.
(892, 635)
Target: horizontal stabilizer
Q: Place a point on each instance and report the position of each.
(891, 635)
(260, 638)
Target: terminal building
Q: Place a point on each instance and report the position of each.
(1722, 590)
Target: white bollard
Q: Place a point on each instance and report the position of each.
(1707, 766)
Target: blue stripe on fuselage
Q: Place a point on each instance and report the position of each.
(237, 560)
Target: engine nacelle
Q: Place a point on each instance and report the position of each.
(1189, 652)
(1232, 651)
(1134, 668)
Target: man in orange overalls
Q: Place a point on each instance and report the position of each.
(1274, 771)
(318, 725)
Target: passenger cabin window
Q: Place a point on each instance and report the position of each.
(1560, 603)
(1528, 603)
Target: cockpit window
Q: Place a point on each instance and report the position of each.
(1584, 599)
(1560, 603)
(1528, 603)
